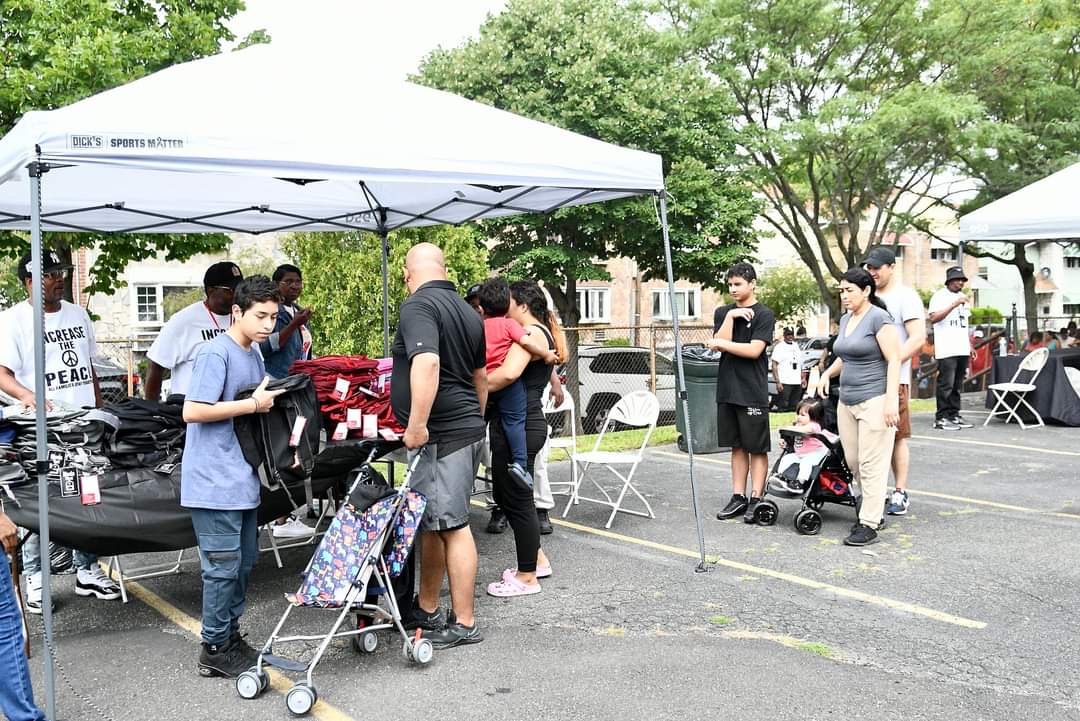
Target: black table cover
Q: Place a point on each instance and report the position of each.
(1053, 396)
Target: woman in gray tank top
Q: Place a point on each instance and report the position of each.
(868, 362)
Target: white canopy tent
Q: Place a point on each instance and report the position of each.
(258, 141)
(1048, 209)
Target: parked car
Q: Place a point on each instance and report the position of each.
(113, 380)
(606, 374)
(811, 350)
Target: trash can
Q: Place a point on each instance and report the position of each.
(701, 368)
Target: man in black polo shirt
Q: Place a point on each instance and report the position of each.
(743, 330)
(438, 388)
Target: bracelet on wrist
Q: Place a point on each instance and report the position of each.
(256, 401)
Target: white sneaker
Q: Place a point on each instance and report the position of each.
(93, 582)
(293, 528)
(33, 593)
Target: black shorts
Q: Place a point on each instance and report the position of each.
(743, 427)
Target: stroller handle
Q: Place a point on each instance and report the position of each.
(830, 443)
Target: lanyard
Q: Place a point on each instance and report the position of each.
(213, 316)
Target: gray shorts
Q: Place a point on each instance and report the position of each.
(447, 481)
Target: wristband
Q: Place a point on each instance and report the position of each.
(256, 401)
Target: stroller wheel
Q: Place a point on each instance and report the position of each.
(300, 699)
(249, 685)
(766, 513)
(366, 642)
(808, 522)
(423, 652)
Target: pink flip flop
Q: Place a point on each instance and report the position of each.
(509, 586)
(541, 572)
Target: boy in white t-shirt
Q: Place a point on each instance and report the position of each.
(184, 334)
(69, 382)
(949, 313)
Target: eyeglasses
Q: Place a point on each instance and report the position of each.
(55, 274)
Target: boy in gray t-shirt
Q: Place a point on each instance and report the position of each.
(216, 484)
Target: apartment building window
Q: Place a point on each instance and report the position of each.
(1071, 309)
(150, 302)
(898, 251)
(687, 300)
(946, 255)
(594, 305)
(1072, 262)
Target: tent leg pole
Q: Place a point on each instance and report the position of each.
(36, 169)
(680, 384)
(384, 245)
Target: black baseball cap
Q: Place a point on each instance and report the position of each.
(473, 292)
(880, 255)
(789, 331)
(50, 261)
(955, 273)
(225, 274)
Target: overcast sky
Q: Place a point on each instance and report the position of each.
(396, 35)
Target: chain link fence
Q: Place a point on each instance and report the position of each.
(608, 362)
(117, 369)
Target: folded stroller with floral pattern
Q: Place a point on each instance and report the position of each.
(350, 573)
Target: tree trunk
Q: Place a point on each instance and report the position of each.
(1026, 269)
(572, 316)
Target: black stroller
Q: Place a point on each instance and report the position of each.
(830, 481)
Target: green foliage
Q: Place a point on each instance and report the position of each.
(984, 316)
(12, 290)
(343, 280)
(617, 343)
(790, 291)
(925, 294)
(55, 52)
(596, 67)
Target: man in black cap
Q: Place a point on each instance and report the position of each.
(182, 336)
(949, 313)
(472, 296)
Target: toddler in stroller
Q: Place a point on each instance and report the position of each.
(812, 468)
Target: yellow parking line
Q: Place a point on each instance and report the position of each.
(968, 442)
(321, 710)
(931, 494)
(779, 575)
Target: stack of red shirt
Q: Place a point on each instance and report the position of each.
(364, 393)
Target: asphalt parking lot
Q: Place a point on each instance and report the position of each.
(967, 609)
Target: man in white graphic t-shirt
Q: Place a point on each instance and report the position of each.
(70, 382)
(949, 313)
(182, 336)
(786, 362)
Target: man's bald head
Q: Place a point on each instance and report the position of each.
(424, 262)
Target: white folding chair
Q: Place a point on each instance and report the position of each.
(567, 444)
(639, 409)
(1073, 374)
(1032, 363)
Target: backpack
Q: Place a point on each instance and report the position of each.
(265, 437)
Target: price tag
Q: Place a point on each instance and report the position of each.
(341, 388)
(297, 430)
(341, 431)
(91, 492)
(354, 418)
(388, 434)
(371, 426)
(69, 482)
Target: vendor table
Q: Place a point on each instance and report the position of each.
(1053, 396)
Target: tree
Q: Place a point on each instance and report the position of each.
(54, 52)
(343, 280)
(790, 291)
(844, 123)
(596, 67)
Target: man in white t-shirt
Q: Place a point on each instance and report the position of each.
(949, 313)
(906, 308)
(70, 382)
(787, 372)
(182, 336)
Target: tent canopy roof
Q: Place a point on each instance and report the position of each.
(261, 140)
(1045, 210)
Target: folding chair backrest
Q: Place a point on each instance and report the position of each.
(638, 409)
(1073, 374)
(1032, 363)
(549, 405)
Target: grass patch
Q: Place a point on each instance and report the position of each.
(818, 649)
(721, 620)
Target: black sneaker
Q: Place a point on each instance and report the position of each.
(226, 660)
(958, 421)
(861, 536)
(751, 508)
(434, 621)
(497, 523)
(455, 634)
(880, 525)
(944, 424)
(734, 507)
(545, 522)
(248, 651)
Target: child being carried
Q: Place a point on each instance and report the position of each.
(500, 333)
(808, 451)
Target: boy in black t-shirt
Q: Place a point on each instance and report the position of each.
(743, 331)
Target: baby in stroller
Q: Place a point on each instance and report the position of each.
(794, 467)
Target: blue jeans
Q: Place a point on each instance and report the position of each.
(31, 556)
(511, 403)
(16, 693)
(228, 547)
